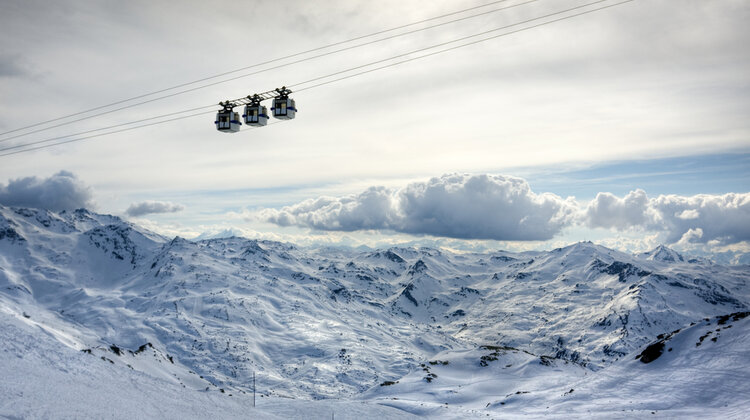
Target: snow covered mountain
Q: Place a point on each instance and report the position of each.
(206, 316)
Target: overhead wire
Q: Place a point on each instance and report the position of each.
(434, 45)
(358, 67)
(104, 134)
(258, 65)
(103, 128)
(256, 72)
(455, 47)
(118, 131)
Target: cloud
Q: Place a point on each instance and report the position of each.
(723, 218)
(61, 191)
(456, 206)
(504, 208)
(688, 214)
(150, 207)
(607, 210)
(691, 236)
(719, 219)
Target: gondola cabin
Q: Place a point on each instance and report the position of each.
(255, 115)
(284, 108)
(228, 121)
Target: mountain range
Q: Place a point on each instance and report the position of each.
(400, 331)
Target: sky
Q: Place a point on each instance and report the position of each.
(626, 126)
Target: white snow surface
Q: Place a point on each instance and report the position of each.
(104, 319)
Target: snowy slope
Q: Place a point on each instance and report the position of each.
(701, 372)
(43, 379)
(337, 323)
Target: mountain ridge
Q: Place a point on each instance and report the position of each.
(320, 323)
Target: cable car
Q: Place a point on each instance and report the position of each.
(283, 106)
(255, 114)
(227, 121)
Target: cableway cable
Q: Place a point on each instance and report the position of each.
(449, 49)
(444, 43)
(263, 63)
(354, 68)
(104, 128)
(120, 131)
(104, 134)
(251, 74)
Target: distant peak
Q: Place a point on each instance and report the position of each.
(578, 246)
(663, 253)
(227, 233)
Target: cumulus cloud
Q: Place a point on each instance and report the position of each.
(61, 191)
(691, 236)
(456, 206)
(723, 218)
(505, 208)
(688, 214)
(703, 218)
(151, 207)
(607, 210)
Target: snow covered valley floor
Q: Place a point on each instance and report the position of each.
(103, 319)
